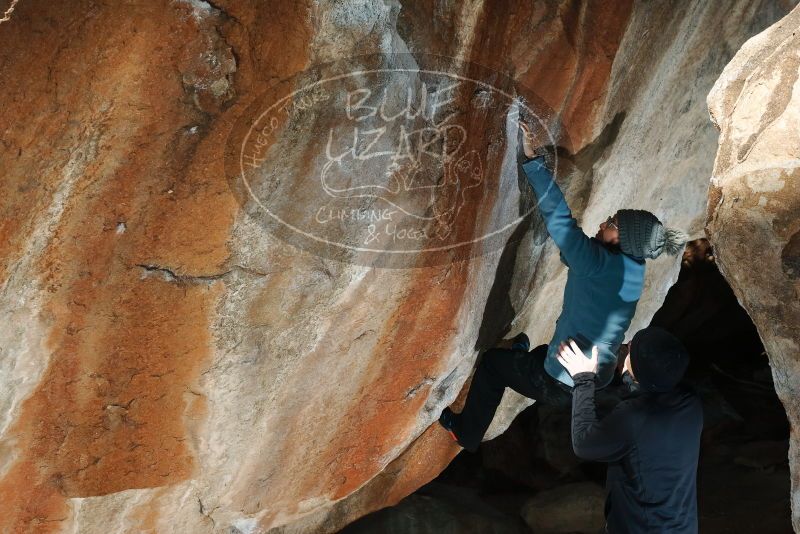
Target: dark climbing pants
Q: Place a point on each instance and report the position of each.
(500, 368)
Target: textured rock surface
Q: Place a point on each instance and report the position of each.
(168, 365)
(569, 508)
(754, 201)
(439, 508)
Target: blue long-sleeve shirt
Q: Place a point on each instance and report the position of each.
(603, 286)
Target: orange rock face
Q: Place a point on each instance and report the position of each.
(118, 354)
(170, 363)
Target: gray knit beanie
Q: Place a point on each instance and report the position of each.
(642, 235)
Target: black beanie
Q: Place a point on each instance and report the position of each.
(658, 359)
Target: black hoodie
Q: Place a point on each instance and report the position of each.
(652, 444)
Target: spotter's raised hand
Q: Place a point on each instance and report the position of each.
(574, 360)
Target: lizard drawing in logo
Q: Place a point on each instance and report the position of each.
(423, 173)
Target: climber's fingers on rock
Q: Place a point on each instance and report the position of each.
(526, 131)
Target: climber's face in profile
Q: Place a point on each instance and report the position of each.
(609, 231)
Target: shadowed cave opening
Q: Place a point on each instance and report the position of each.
(528, 479)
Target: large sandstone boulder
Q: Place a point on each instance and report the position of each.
(174, 360)
(753, 216)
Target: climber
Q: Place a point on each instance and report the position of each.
(604, 283)
(651, 441)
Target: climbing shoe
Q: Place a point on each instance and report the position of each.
(521, 342)
(449, 421)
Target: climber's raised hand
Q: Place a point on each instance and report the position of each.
(574, 360)
(528, 140)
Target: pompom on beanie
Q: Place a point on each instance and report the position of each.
(642, 235)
